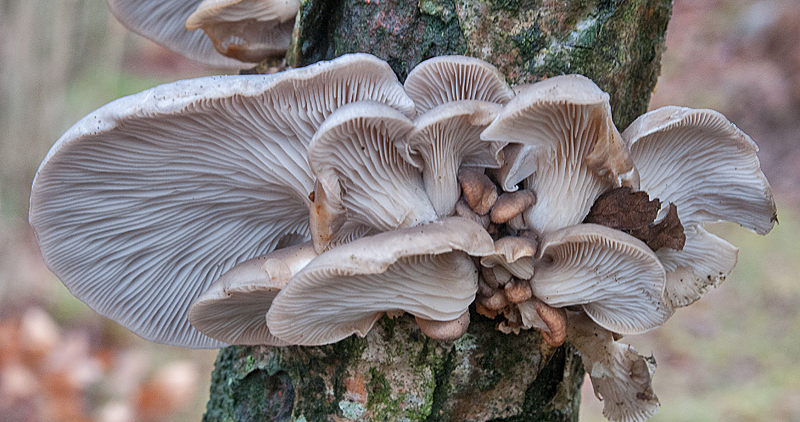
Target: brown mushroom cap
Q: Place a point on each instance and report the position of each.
(444, 330)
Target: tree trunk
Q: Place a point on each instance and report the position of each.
(396, 373)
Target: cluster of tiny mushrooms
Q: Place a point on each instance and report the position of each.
(301, 207)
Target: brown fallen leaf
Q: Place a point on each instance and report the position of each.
(623, 209)
(668, 233)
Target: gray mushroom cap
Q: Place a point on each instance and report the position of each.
(708, 168)
(618, 281)
(424, 270)
(234, 309)
(142, 204)
(571, 149)
(446, 138)
(443, 79)
(356, 152)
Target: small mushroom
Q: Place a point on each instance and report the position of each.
(444, 330)
(517, 291)
(444, 79)
(515, 254)
(575, 150)
(246, 30)
(618, 281)
(424, 270)
(511, 204)
(707, 167)
(479, 191)
(144, 203)
(234, 309)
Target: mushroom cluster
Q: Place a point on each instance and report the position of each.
(301, 207)
(215, 32)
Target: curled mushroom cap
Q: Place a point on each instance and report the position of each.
(356, 149)
(246, 30)
(572, 150)
(708, 168)
(620, 376)
(446, 138)
(443, 79)
(424, 270)
(234, 309)
(615, 277)
(141, 205)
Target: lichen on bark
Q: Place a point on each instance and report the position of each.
(397, 373)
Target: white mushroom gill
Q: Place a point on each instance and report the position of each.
(156, 198)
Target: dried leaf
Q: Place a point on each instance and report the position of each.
(668, 233)
(623, 209)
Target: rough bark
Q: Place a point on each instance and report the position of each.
(396, 373)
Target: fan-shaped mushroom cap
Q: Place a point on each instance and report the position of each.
(446, 138)
(234, 309)
(246, 30)
(578, 152)
(356, 148)
(421, 270)
(620, 376)
(453, 78)
(616, 278)
(141, 205)
(708, 168)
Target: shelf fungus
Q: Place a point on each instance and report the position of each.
(299, 208)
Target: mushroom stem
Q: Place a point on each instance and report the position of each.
(478, 189)
(444, 330)
(556, 321)
(518, 291)
(324, 218)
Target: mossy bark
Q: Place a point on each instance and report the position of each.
(396, 373)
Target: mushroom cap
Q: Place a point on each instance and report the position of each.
(514, 254)
(247, 30)
(446, 138)
(620, 376)
(234, 309)
(163, 22)
(424, 270)
(443, 79)
(142, 204)
(708, 168)
(616, 278)
(356, 148)
(577, 151)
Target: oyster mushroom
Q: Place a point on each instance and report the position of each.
(572, 150)
(447, 138)
(141, 205)
(234, 309)
(425, 270)
(444, 79)
(243, 30)
(708, 168)
(618, 281)
(246, 30)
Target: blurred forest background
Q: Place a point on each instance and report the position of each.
(732, 356)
